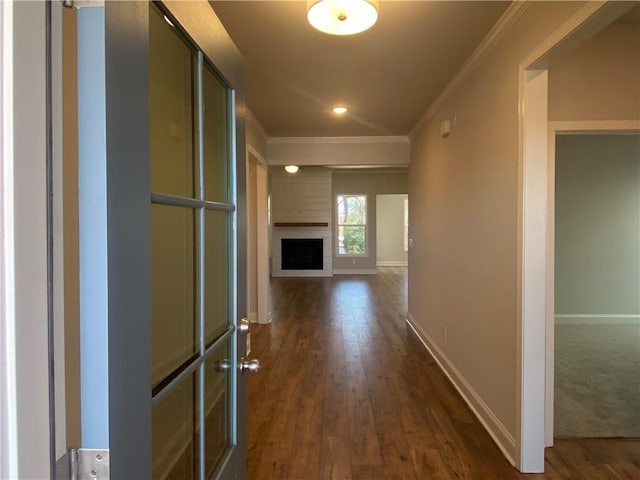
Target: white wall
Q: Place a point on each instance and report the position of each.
(597, 257)
(301, 198)
(338, 151)
(390, 230)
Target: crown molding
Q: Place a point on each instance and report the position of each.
(488, 43)
(589, 19)
(337, 140)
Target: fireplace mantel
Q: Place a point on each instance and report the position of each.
(301, 224)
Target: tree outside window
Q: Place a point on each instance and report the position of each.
(352, 224)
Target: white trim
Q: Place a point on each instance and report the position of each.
(492, 424)
(254, 153)
(355, 271)
(589, 127)
(338, 140)
(8, 414)
(251, 118)
(253, 317)
(337, 253)
(502, 26)
(392, 263)
(24, 238)
(596, 319)
(533, 227)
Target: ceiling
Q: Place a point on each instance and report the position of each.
(388, 76)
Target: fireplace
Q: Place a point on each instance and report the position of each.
(302, 254)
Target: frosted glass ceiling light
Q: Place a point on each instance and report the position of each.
(291, 169)
(342, 17)
(339, 110)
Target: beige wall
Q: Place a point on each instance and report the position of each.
(71, 226)
(597, 225)
(463, 272)
(370, 183)
(600, 80)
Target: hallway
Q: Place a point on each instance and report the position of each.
(347, 391)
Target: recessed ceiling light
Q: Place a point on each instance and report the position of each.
(339, 110)
(291, 169)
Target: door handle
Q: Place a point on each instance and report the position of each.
(244, 327)
(249, 366)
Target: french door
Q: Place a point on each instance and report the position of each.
(162, 250)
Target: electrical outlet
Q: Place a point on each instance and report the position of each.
(444, 333)
(353, 261)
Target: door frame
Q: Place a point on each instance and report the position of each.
(258, 230)
(535, 347)
(25, 450)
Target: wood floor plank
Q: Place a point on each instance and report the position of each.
(347, 391)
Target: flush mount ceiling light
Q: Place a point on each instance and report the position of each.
(292, 169)
(342, 17)
(339, 110)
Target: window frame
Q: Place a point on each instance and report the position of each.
(365, 225)
(406, 224)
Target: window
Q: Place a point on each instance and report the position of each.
(352, 225)
(406, 224)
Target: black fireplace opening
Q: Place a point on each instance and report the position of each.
(302, 254)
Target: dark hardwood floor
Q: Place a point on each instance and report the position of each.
(346, 391)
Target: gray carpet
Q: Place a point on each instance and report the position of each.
(597, 381)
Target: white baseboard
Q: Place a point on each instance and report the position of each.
(253, 317)
(596, 319)
(302, 273)
(389, 263)
(355, 271)
(500, 435)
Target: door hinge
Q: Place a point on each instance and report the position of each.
(84, 464)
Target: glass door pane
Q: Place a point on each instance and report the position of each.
(171, 109)
(175, 333)
(193, 339)
(174, 440)
(217, 405)
(217, 274)
(216, 137)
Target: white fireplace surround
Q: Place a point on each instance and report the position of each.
(279, 233)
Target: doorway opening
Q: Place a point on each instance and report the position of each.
(597, 279)
(392, 230)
